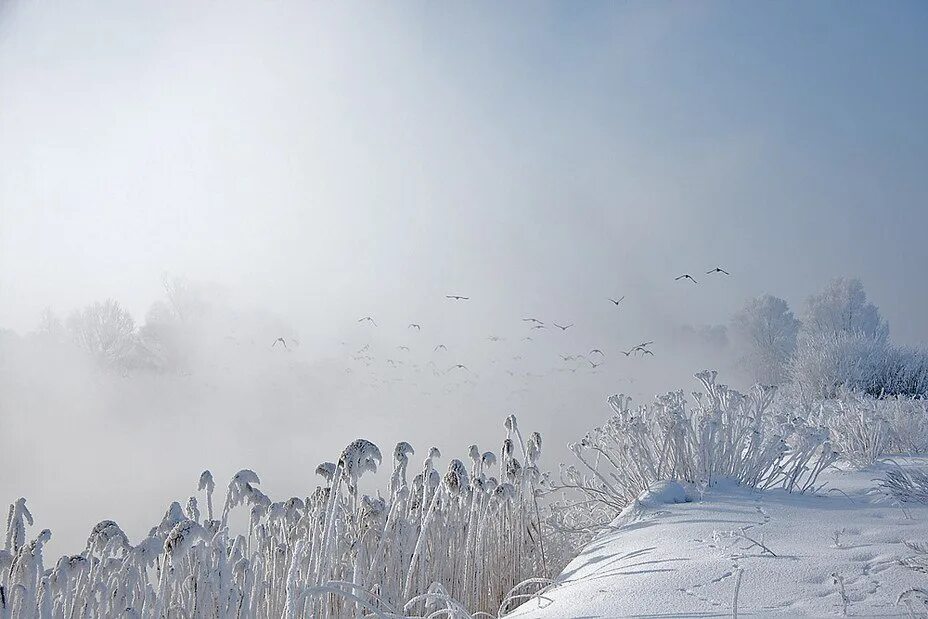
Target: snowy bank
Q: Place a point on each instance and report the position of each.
(674, 553)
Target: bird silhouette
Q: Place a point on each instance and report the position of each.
(617, 301)
(406, 348)
(541, 326)
(415, 326)
(535, 320)
(458, 366)
(563, 328)
(368, 319)
(718, 270)
(686, 276)
(281, 340)
(598, 351)
(495, 338)
(440, 347)
(456, 297)
(645, 351)
(595, 365)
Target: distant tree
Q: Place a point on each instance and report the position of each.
(844, 343)
(104, 330)
(185, 301)
(764, 332)
(842, 307)
(50, 326)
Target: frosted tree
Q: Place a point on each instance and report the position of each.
(765, 331)
(104, 330)
(843, 342)
(842, 307)
(50, 325)
(185, 301)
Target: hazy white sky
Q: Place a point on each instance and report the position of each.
(327, 162)
(330, 159)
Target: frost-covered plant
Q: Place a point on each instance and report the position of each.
(724, 434)
(446, 543)
(906, 485)
(865, 428)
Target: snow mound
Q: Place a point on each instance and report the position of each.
(665, 493)
(674, 553)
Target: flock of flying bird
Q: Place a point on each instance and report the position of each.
(594, 358)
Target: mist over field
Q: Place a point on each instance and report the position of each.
(290, 169)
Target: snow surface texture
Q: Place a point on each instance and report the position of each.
(673, 553)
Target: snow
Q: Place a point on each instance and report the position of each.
(674, 553)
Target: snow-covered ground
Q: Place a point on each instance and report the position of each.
(666, 558)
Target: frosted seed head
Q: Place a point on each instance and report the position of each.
(513, 469)
(402, 451)
(489, 458)
(181, 539)
(510, 423)
(326, 470)
(507, 447)
(360, 457)
(206, 481)
(245, 476)
(102, 533)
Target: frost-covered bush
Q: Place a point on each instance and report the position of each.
(907, 485)
(723, 434)
(865, 428)
(446, 543)
(824, 364)
(844, 344)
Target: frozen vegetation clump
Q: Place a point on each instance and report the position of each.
(723, 434)
(461, 541)
(865, 428)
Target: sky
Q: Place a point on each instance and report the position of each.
(327, 162)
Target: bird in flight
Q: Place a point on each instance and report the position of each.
(440, 347)
(563, 328)
(540, 326)
(617, 301)
(368, 319)
(567, 357)
(595, 365)
(596, 350)
(718, 270)
(627, 352)
(495, 338)
(458, 366)
(456, 297)
(685, 276)
(645, 351)
(281, 340)
(415, 326)
(406, 348)
(364, 348)
(535, 320)
(527, 339)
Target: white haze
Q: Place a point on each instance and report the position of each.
(325, 163)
